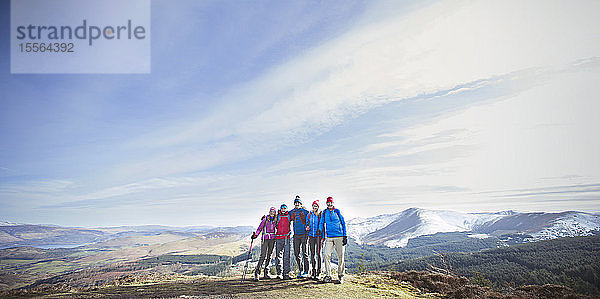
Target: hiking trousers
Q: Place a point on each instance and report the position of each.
(265, 254)
(315, 251)
(300, 248)
(330, 244)
(282, 254)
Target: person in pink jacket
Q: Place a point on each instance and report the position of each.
(267, 228)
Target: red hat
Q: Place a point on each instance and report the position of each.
(330, 199)
(316, 202)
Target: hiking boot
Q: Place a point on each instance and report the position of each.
(255, 276)
(327, 279)
(266, 276)
(286, 277)
(299, 274)
(340, 279)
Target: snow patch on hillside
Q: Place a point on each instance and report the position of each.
(358, 227)
(432, 222)
(478, 236)
(572, 224)
(5, 223)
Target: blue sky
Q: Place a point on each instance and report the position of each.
(463, 105)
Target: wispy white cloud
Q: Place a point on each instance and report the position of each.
(44, 186)
(433, 48)
(424, 55)
(450, 160)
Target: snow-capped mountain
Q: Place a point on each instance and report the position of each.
(6, 223)
(395, 230)
(360, 227)
(568, 225)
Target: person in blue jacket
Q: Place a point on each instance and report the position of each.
(314, 239)
(298, 215)
(333, 228)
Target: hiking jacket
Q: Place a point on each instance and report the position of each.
(332, 223)
(267, 227)
(283, 226)
(299, 218)
(312, 220)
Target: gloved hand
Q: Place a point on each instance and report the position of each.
(254, 236)
(345, 240)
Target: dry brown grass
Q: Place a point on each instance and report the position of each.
(450, 286)
(412, 284)
(212, 287)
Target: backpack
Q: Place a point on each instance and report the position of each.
(318, 216)
(277, 222)
(279, 216)
(302, 218)
(336, 211)
(265, 227)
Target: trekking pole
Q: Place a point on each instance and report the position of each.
(247, 260)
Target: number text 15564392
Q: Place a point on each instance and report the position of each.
(47, 47)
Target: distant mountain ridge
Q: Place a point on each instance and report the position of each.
(396, 230)
(52, 236)
(391, 230)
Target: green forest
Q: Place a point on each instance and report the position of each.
(574, 262)
(422, 246)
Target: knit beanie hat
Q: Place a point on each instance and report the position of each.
(297, 199)
(316, 202)
(283, 206)
(272, 209)
(330, 199)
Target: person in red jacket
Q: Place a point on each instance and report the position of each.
(282, 242)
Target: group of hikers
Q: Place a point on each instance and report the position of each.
(320, 229)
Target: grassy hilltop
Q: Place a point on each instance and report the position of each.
(410, 284)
